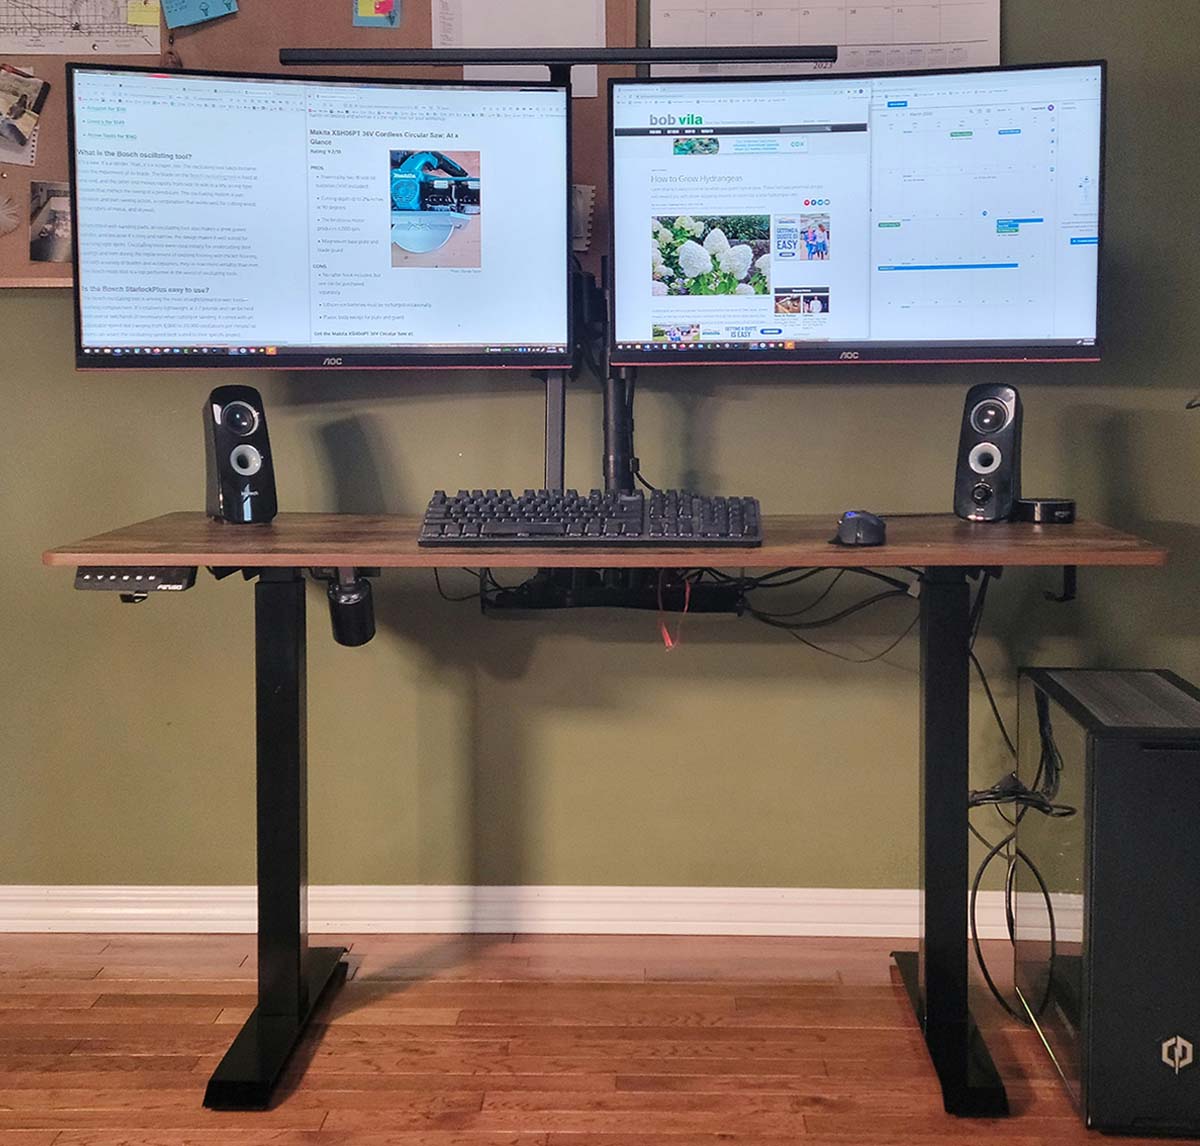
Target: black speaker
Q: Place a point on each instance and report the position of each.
(241, 475)
(988, 482)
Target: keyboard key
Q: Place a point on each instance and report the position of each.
(517, 528)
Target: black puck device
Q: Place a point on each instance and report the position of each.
(1045, 510)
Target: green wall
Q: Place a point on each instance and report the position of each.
(573, 748)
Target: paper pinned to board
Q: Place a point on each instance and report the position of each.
(18, 154)
(522, 24)
(143, 13)
(375, 13)
(76, 28)
(184, 13)
(871, 35)
(50, 223)
(22, 97)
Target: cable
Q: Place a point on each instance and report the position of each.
(978, 834)
(895, 582)
(987, 689)
(672, 641)
(793, 628)
(993, 852)
(856, 660)
(976, 618)
(1050, 762)
(816, 601)
(446, 597)
(776, 579)
(1010, 791)
(1010, 920)
(975, 623)
(776, 622)
(767, 580)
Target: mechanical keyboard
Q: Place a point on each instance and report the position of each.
(549, 518)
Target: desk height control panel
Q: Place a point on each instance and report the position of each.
(136, 582)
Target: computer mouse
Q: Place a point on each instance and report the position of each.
(858, 527)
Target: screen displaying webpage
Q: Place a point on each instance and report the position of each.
(272, 216)
(910, 210)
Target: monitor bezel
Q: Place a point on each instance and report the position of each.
(857, 353)
(331, 358)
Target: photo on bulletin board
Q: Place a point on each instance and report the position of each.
(22, 97)
(50, 223)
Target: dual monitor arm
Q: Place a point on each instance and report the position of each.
(619, 464)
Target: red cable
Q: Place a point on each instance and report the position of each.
(672, 642)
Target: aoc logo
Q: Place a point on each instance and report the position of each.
(332, 362)
(850, 355)
(671, 121)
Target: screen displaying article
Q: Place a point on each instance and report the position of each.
(754, 212)
(899, 210)
(232, 214)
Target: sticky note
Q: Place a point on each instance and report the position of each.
(376, 13)
(143, 13)
(181, 13)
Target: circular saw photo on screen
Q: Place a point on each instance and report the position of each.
(435, 209)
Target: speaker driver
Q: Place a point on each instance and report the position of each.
(246, 460)
(990, 416)
(240, 418)
(985, 458)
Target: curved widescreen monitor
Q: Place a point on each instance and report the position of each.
(918, 216)
(244, 220)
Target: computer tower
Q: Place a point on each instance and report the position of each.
(1108, 972)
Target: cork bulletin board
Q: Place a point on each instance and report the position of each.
(249, 40)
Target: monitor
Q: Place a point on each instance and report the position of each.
(254, 220)
(916, 216)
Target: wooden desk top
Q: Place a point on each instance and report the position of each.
(330, 539)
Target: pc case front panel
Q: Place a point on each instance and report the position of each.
(1052, 989)
(1144, 992)
(1118, 1005)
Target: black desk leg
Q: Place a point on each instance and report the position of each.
(291, 976)
(936, 976)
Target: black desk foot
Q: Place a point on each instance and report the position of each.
(247, 1075)
(971, 1085)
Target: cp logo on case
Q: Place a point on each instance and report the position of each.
(1177, 1053)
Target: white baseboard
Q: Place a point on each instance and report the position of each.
(884, 912)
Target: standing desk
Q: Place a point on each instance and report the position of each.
(292, 976)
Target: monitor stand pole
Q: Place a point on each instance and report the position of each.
(556, 428)
(618, 431)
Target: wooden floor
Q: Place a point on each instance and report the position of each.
(513, 1040)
